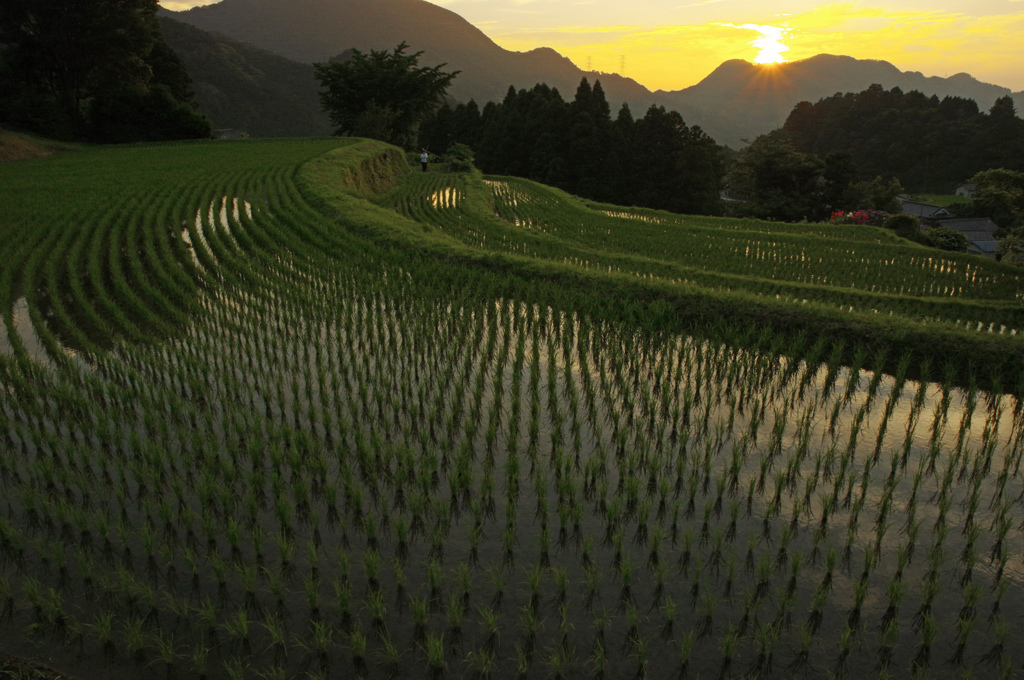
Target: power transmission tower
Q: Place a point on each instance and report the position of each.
(622, 64)
(588, 63)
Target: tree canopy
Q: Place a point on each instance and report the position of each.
(657, 161)
(93, 68)
(1000, 192)
(383, 95)
(778, 182)
(929, 144)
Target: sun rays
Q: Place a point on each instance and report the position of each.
(769, 43)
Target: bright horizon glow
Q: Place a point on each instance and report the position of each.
(672, 44)
(769, 44)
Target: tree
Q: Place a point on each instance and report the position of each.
(384, 95)
(779, 182)
(675, 167)
(927, 143)
(1011, 249)
(878, 194)
(906, 226)
(1000, 195)
(459, 158)
(72, 66)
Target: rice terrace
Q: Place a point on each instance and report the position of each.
(286, 409)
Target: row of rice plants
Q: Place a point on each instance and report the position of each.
(700, 265)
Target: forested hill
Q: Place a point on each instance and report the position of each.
(742, 100)
(930, 144)
(247, 88)
(737, 101)
(316, 30)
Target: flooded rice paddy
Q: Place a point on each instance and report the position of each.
(344, 481)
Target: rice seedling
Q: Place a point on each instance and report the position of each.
(390, 656)
(434, 652)
(728, 647)
(134, 637)
(276, 637)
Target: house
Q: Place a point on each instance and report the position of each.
(966, 190)
(925, 211)
(980, 233)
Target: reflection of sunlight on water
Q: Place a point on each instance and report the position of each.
(235, 210)
(202, 235)
(27, 333)
(636, 216)
(318, 373)
(217, 215)
(448, 197)
(33, 344)
(5, 342)
(187, 238)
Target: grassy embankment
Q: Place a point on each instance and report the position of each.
(17, 146)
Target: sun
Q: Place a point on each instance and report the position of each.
(770, 44)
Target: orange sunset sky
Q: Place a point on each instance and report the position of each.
(671, 44)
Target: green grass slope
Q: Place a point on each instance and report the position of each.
(860, 286)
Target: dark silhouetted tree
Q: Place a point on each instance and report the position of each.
(927, 143)
(384, 95)
(96, 68)
(779, 182)
(656, 162)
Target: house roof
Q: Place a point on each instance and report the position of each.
(923, 209)
(973, 225)
(985, 248)
(980, 233)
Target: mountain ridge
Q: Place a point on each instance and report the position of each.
(737, 101)
(316, 30)
(743, 100)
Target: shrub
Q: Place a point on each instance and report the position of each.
(948, 239)
(459, 158)
(905, 226)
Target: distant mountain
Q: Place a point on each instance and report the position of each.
(248, 89)
(316, 30)
(737, 101)
(740, 100)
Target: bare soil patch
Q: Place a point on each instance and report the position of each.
(16, 146)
